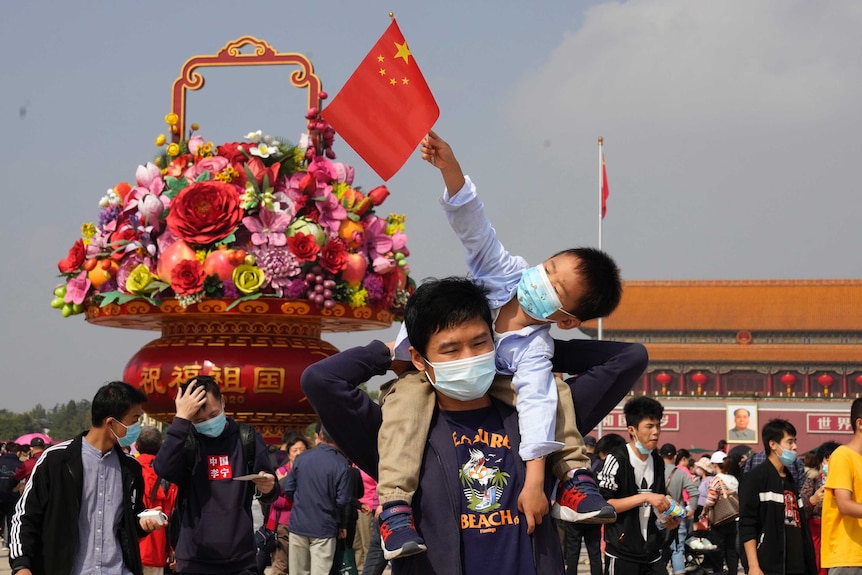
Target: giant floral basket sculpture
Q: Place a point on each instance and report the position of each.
(241, 254)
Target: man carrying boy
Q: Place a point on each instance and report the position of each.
(470, 475)
(772, 531)
(841, 530)
(572, 286)
(633, 481)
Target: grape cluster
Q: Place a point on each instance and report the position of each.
(319, 288)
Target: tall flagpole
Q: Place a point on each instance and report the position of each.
(601, 215)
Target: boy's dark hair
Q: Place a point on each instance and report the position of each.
(208, 382)
(441, 304)
(825, 451)
(12, 448)
(682, 454)
(114, 399)
(324, 435)
(150, 440)
(609, 442)
(855, 412)
(774, 430)
(600, 277)
(640, 408)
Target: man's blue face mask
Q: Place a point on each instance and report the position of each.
(212, 427)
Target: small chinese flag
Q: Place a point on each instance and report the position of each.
(605, 191)
(385, 108)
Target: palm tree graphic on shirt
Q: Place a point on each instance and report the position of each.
(483, 485)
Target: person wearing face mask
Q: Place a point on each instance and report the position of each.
(571, 286)
(633, 481)
(466, 503)
(812, 495)
(79, 511)
(216, 534)
(772, 531)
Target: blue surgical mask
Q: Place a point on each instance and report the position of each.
(787, 457)
(825, 469)
(464, 379)
(641, 449)
(132, 433)
(536, 295)
(212, 427)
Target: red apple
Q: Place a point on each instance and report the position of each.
(168, 259)
(219, 263)
(354, 271)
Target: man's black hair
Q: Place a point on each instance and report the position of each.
(855, 412)
(609, 442)
(12, 448)
(324, 435)
(774, 430)
(115, 399)
(150, 440)
(642, 407)
(208, 382)
(442, 304)
(600, 278)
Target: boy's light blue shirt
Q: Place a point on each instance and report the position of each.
(524, 354)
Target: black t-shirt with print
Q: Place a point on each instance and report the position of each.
(492, 536)
(795, 559)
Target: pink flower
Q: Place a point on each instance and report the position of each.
(77, 289)
(267, 227)
(195, 142)
(343, 173)
(212, 165)
(332, 213)
(146, 198)
(377, 242)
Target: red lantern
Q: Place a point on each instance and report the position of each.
(859, 379)
(699, 378)
(825, 380)
(788, 379)
(663, 379)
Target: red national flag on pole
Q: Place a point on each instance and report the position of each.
(605, 191)
(385, 108)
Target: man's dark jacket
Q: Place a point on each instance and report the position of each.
(353, 420)
(761, 517)
(44, 538)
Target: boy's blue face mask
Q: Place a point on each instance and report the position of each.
(536, 294)
(132, 433)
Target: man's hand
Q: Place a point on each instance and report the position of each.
(364, 508)
(342, 534)
(658, 501)
(438, 153)
(264, 482)
(817, 497)
(149, 524)
(672, 523)
(191, 401)
(534, 505)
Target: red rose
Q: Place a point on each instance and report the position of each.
(179, 164)
(303, 247)
(333, 257)
(259, 170)
(234, 152)
(74, 259)
(378, 194)
(187, 277)
(119, 239)
(205, 212)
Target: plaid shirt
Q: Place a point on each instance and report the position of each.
(797, 470)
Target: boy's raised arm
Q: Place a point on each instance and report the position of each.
(439, 154)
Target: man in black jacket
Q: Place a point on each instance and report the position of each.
(79, 511)
(633, 481)
(772, 530)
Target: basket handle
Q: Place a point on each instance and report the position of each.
(231, 55)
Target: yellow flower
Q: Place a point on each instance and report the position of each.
(227, 175)
(394, 224)
(161, 139)
(358, 298)
(201, 255)
(88, 230)
(248, 278)
(173, 149)
(171, 119)
(139, 279)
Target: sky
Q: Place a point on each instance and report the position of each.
(730, 134)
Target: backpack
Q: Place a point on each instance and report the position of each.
(190, 451)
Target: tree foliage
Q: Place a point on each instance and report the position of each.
(60, 422)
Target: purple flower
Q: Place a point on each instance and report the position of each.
(267, 227)
(77, 289)
(373, 284)
(295, 289)
(377, 242)
(278, 264)
(230, 291)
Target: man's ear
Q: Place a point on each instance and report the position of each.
(569, 323)
(416, 359)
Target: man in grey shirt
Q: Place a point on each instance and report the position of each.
(79, 511)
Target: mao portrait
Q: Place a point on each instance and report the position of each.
(742, 423)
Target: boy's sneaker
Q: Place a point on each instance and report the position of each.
(579, 501)
(398, 536)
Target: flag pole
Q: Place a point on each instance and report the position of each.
(601, 187)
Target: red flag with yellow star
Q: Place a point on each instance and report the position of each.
(385, 108)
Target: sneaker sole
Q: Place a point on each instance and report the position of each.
(410, 548)
(602, 516)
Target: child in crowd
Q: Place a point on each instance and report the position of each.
(572, 286)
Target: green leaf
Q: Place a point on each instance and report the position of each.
(265, 185)
(353, 217)
(237, 301)
(203, 177)
(229, 239)
(116, 297)
(250, 179)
